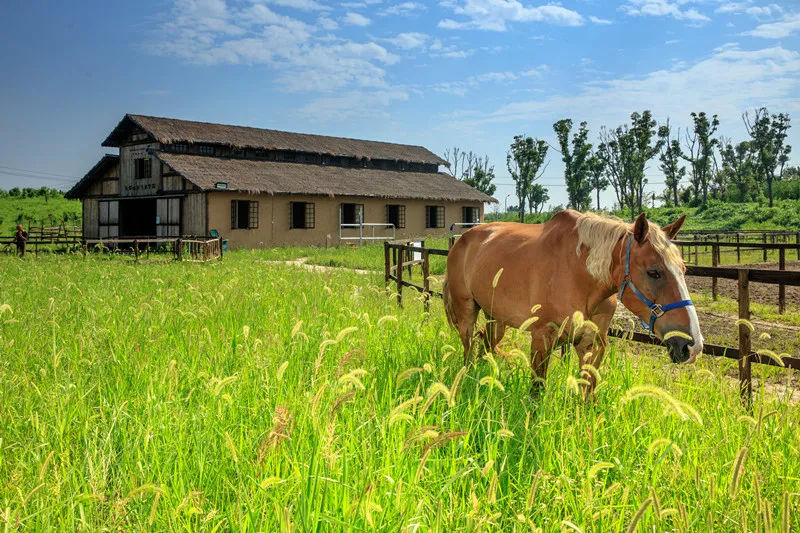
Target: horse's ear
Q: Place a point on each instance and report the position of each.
(640, 228)
(672, 229)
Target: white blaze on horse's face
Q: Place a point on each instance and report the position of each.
(694, 324)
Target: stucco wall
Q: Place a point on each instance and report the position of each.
(273, 219)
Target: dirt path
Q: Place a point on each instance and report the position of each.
(302, 262)
(759, 292)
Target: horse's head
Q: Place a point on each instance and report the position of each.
(653, 287)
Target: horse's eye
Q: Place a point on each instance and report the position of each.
(654, 274)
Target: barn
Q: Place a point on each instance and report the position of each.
(259, 187)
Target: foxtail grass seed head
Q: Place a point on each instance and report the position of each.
(679, 334)
(496, 279)
(597, 468)
(769, 354)
(736, 473)
(746, 323)
(296, 328)
(638, 515)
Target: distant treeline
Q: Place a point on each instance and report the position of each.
(30, 192)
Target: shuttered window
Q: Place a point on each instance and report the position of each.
(168, 217)
(142, 168)
(434, 216)
(108, 219)
(244, 214)
(301, 215)
(470, 215)
(396, 214)
(352, 213)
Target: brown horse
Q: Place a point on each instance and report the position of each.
(573, 262)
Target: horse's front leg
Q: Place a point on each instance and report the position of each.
(542, 343)
(591, 347)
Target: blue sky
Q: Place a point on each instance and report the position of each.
(466, 73)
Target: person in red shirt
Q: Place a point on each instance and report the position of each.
(21, 239)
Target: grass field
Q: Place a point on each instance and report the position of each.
(253, 396)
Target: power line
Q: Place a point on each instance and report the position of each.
(44, 172)
(43, 178)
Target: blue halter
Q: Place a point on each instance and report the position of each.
(656, 310)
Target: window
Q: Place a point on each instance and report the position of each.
(142, 168)
(352, 213)
(470, 215)
(244, 214)
(180, 148)
(396, 214)
(434, 216)
(289, 156)
(108, 219)
(301, 215)
(205, 149)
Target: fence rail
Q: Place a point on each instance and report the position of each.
(192, 249)
(395, 254)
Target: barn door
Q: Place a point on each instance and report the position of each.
(108, 219)
(168, 217)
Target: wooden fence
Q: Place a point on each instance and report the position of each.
(396, 255)
(193, 249)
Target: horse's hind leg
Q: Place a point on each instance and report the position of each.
(465, 312)
(541, 346)
(494, 333)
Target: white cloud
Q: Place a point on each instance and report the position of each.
(461, 87)
(771, 77)
(353, 105)
(409, 41)
(758, 12)
(493, 15)
(598, 20)
(305, 5)
(672, 41)
(732, 7)
(356, 19)
(327, 23)
(777, 30)
(662, 8)
(403, 9)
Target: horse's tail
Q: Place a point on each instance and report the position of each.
(448, 303)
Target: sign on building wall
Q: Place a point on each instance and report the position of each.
(140, 171)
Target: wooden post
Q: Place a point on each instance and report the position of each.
(765, 247)
(399, 275)
(714, 263)
(451, 241)
(696, 253)
(426, 284)
(738, 251)
(797, 242)
(178, 250)
(136, 250)
(781, 287)
(745, 376)
(386, 265)
(148, 250)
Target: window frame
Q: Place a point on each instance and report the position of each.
(401, 215)
(142, 168)
(437, 220)
(472, 219)
(358, 213)
(252, 216)
(309, 216)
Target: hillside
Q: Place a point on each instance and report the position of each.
(715, 216)
(37, 210)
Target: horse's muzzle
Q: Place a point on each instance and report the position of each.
(679, 349)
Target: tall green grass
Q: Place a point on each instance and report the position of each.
(252, 396)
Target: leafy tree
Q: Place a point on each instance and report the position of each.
(701, 143)
(14, 192)
(626, 151)
(524, 159)
(576, 163)
(537, 197)
(480, 176)
(597, 178)
(670, 157)
(767, 136)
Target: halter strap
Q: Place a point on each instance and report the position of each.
(656, 310)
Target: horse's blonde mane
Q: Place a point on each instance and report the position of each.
(601, 233)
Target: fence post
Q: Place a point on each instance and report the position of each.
(426, 284)
(797, 242)
(696, 253)
(765, 247)
(386, 265)
(714, 263)
(178, 250)
(136, 250)
(399, 275)
(781, 287)
(451, 241)
(745, 376)
(738, 251)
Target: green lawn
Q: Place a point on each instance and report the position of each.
(252, 396)
(37, 211)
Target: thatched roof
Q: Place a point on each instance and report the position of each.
(305, 179)
(106, 162)
(170, 130)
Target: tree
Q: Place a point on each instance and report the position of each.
(480, 176)
(576, 163)
(537, 197)
(597, 179)
(524, 159)
(767, 134)
(626, 151)
(670, 157)
(700, 144)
